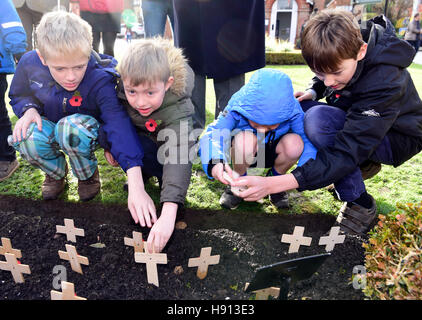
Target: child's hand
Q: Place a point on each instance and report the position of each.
(162, 230)
(140, 204)
(110, 159)
(22, 125)
(219, 172)
(300, 96)
(257, 187)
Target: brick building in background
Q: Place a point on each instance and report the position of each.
(284, 18)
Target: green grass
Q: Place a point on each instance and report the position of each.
(391, 185)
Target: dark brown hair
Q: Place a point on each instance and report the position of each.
(330, 37)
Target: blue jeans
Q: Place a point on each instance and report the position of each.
(322, 122)
(155, 15)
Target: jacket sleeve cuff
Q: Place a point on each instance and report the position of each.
(300, 179)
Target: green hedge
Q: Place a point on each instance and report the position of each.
(284, 58)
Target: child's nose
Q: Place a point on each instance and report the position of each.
(329, 80)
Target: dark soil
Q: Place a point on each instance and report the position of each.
(244, 242)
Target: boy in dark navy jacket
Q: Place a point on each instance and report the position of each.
(373, 113)
(64, 95)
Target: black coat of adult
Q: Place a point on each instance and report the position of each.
(221, 38)
(379, 100)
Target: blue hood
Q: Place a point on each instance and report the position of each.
(267, 87)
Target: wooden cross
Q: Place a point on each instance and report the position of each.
(70, 230)
(137, 243)
(151, 260)
(263, 294)
(68, 292)
(332, 239)
(72, 256)
(296, 239)
(7, 248)
(203, 261)
(14, 267)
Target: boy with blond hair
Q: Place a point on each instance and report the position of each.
(373, 113)
(156, 88)
(64, 96)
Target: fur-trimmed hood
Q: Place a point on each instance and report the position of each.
(178, 70)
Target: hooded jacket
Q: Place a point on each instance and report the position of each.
(170, 126)
(34, 87)
(379, 100)
(266, 99)
(12, 37)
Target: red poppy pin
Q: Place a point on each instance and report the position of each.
(151, 125)
(337, 96)
(76, 99)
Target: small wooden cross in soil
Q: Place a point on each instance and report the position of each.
(263, 294)
(7, 248)
(332, 239)
(203, 261)
(14, 267)
(68, 292)
(151, 260)
(70, 230)
(72, 256)
(137, 243)
(296, 239)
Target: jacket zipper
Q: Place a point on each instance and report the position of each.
(64, 104)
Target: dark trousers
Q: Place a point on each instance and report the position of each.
(322, 123)
(151, 167)
(223, 88)
(30, 19)
(109, 38)
(7, 153)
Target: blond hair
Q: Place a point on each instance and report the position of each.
(330, 37)
(146, 62)
(61, 33)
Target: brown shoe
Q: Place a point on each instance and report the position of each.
(7, 168)
(89, 188)
(357, 220)
(52, 188)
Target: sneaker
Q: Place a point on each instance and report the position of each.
(229, 201)
(369, 169)
(280, 200)
(52, 188)
(88, 189)
(357, 220)
(7, 168)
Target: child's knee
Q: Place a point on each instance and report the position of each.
(245, 143)
(291, 145)
(74, 131)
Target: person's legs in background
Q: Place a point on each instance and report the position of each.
(8, 162)
(224, 89)
(198, 100)
(155, 14)
(109, 38)
(30, 20)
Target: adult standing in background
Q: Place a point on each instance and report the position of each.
(12, 42)
(104, 16)
(413, 32)
(30, 13)
(155, 14)
(222, 40)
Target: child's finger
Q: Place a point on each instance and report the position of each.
(146, 216)
(133, 213)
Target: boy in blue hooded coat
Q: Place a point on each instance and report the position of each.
(12, 42)
(64, 96)
(262, 126)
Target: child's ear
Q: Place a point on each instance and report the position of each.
(41, 57)
(362, 51)
(169, 83)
